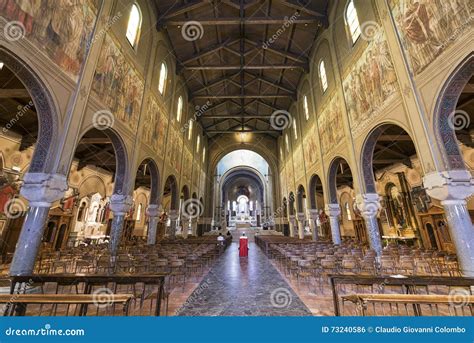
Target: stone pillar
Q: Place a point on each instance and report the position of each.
(120, 205)
(185, 226)
(452, 188)
(41, 190)
(334, 211)
(194, 226)
(153, 212)
(173, 216)
(313, 216)
(292, 222)
(301, 221)
(369, 205)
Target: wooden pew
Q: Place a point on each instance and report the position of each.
(90, 281)
(14, 300)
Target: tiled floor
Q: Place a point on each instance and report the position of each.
(243, 287)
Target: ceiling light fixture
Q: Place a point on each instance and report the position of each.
(1, 65)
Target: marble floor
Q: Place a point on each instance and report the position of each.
(243, 287)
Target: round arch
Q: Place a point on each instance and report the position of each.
(46, 110)
(315, 184)
(171, 186)
(332, 177)
(155, 180)
(291, 204)
(300, 200)
(445, 113)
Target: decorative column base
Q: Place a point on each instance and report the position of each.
(41, 190)
(334, 211)
(369, 205)
(119, 205)
(313, 217)
(452, 188)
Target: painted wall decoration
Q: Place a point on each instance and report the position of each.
(61, 29)
(427, 28)
(310, 148)
(298, 162)
(118, 84)
(331, 129)
(370, 82)
(289, 174)
(202, 181)
(187, 164)
(155, 126)
(175, 143)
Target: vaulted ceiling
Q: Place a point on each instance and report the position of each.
(244, 59)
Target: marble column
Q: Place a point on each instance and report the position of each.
(369, 204)
(119, 205)
(334, 211)
(301, 221)
(313, 217)
(41, 190)
(194, 226)
(452, 188)
(185, 226)
(173, 216)
(292, 223)
(153, 212)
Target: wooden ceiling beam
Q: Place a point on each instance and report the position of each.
(240, 131)
(287, 54)
(245, 21)
(394, 138)
(297, 5)
(183, 9)
(213, 49)
(246, 67)
(14, 93)
(272, 83)
(215, 83)
(245, 96)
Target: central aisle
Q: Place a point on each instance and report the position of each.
(243, 287)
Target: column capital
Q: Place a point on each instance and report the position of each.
(300, 216)
(153, 210)
(120, 203)
(333, 210)
(173, 214)
(449, 185)
(368, 204)
(313, 213)
(42, 189)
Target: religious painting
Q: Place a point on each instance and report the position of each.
(298, 162)
(370, 82)
(62, 29)
(427, 28)
(331, 128)
(150, 124)
(118, 84)
(202, 181)
(283, 179)
(162, 129)
(187, 164)
(310, 148)
(174, 149)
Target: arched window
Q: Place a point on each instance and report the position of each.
(179, 109)
(306, 107)
(134, 24)
(295, 129)
(348, 211)
(323, 76)
(163, 77)
(352, 21)
(139, 212)
(203, 154)
(198, 142)
(190, 129)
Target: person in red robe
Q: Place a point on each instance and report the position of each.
(243, 246)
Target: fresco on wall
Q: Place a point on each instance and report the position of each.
(370, 82)
(310, 148)
(298, 162)
(62, 30)
(174, 146)
(331, 128)
(202, 182)
(155, 126)
(289, 174)
(427, 28)
(187, 164)
(117, 84)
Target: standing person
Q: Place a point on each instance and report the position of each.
(220, 242)
(243, 246)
